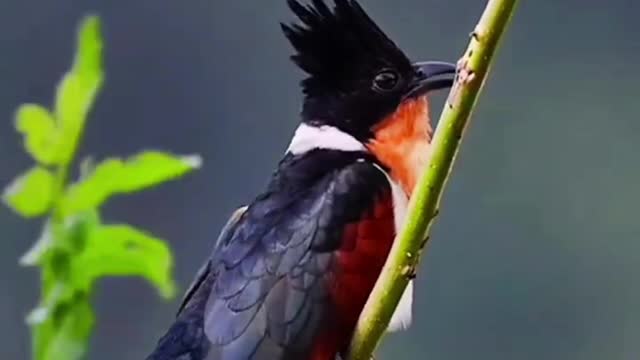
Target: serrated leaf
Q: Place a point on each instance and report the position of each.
(78, 89)
(39, 129)
(70, 340)
(115, 176)
(31, 194)
(122, 250)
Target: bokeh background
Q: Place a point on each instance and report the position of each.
(536, 254)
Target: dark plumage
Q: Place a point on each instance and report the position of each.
(272, 279)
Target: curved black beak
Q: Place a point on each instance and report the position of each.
(432, 75)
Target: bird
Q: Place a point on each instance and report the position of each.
(290, 273)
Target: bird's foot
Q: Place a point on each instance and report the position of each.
(464, 76)
(465, 73)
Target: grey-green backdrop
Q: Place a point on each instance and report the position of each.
(537, 251)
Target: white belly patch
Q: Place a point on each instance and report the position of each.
(402, 316)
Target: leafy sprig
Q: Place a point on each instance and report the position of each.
(76, 248)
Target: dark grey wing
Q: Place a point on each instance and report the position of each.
(204, 270)
(270, 296)
(185, 339)
(264, 294)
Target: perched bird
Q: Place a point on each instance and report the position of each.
(291, 272)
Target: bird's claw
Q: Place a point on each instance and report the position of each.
(464, 76)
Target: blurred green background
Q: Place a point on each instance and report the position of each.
(536, 253)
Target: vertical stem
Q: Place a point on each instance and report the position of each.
(424, 204)
(52, 274)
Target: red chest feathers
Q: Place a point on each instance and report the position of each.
(366, 244)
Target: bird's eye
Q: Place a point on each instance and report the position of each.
(386, 80)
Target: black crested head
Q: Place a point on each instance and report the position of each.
(336, 44)
(342, 49)
(356, 74)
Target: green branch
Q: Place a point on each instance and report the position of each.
(425, 201)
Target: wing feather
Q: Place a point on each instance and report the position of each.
(269, 291)
(279, 290)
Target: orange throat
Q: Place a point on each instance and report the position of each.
(401, 142)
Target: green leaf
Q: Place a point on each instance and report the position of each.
(70, 236)
(121, 250)
(79, 87)
(114, 176)
(70, 339)
(31, 194)
(42, 247)
(39, 130)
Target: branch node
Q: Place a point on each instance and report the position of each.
(409, 272)
(477, 34)
(464, 76)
